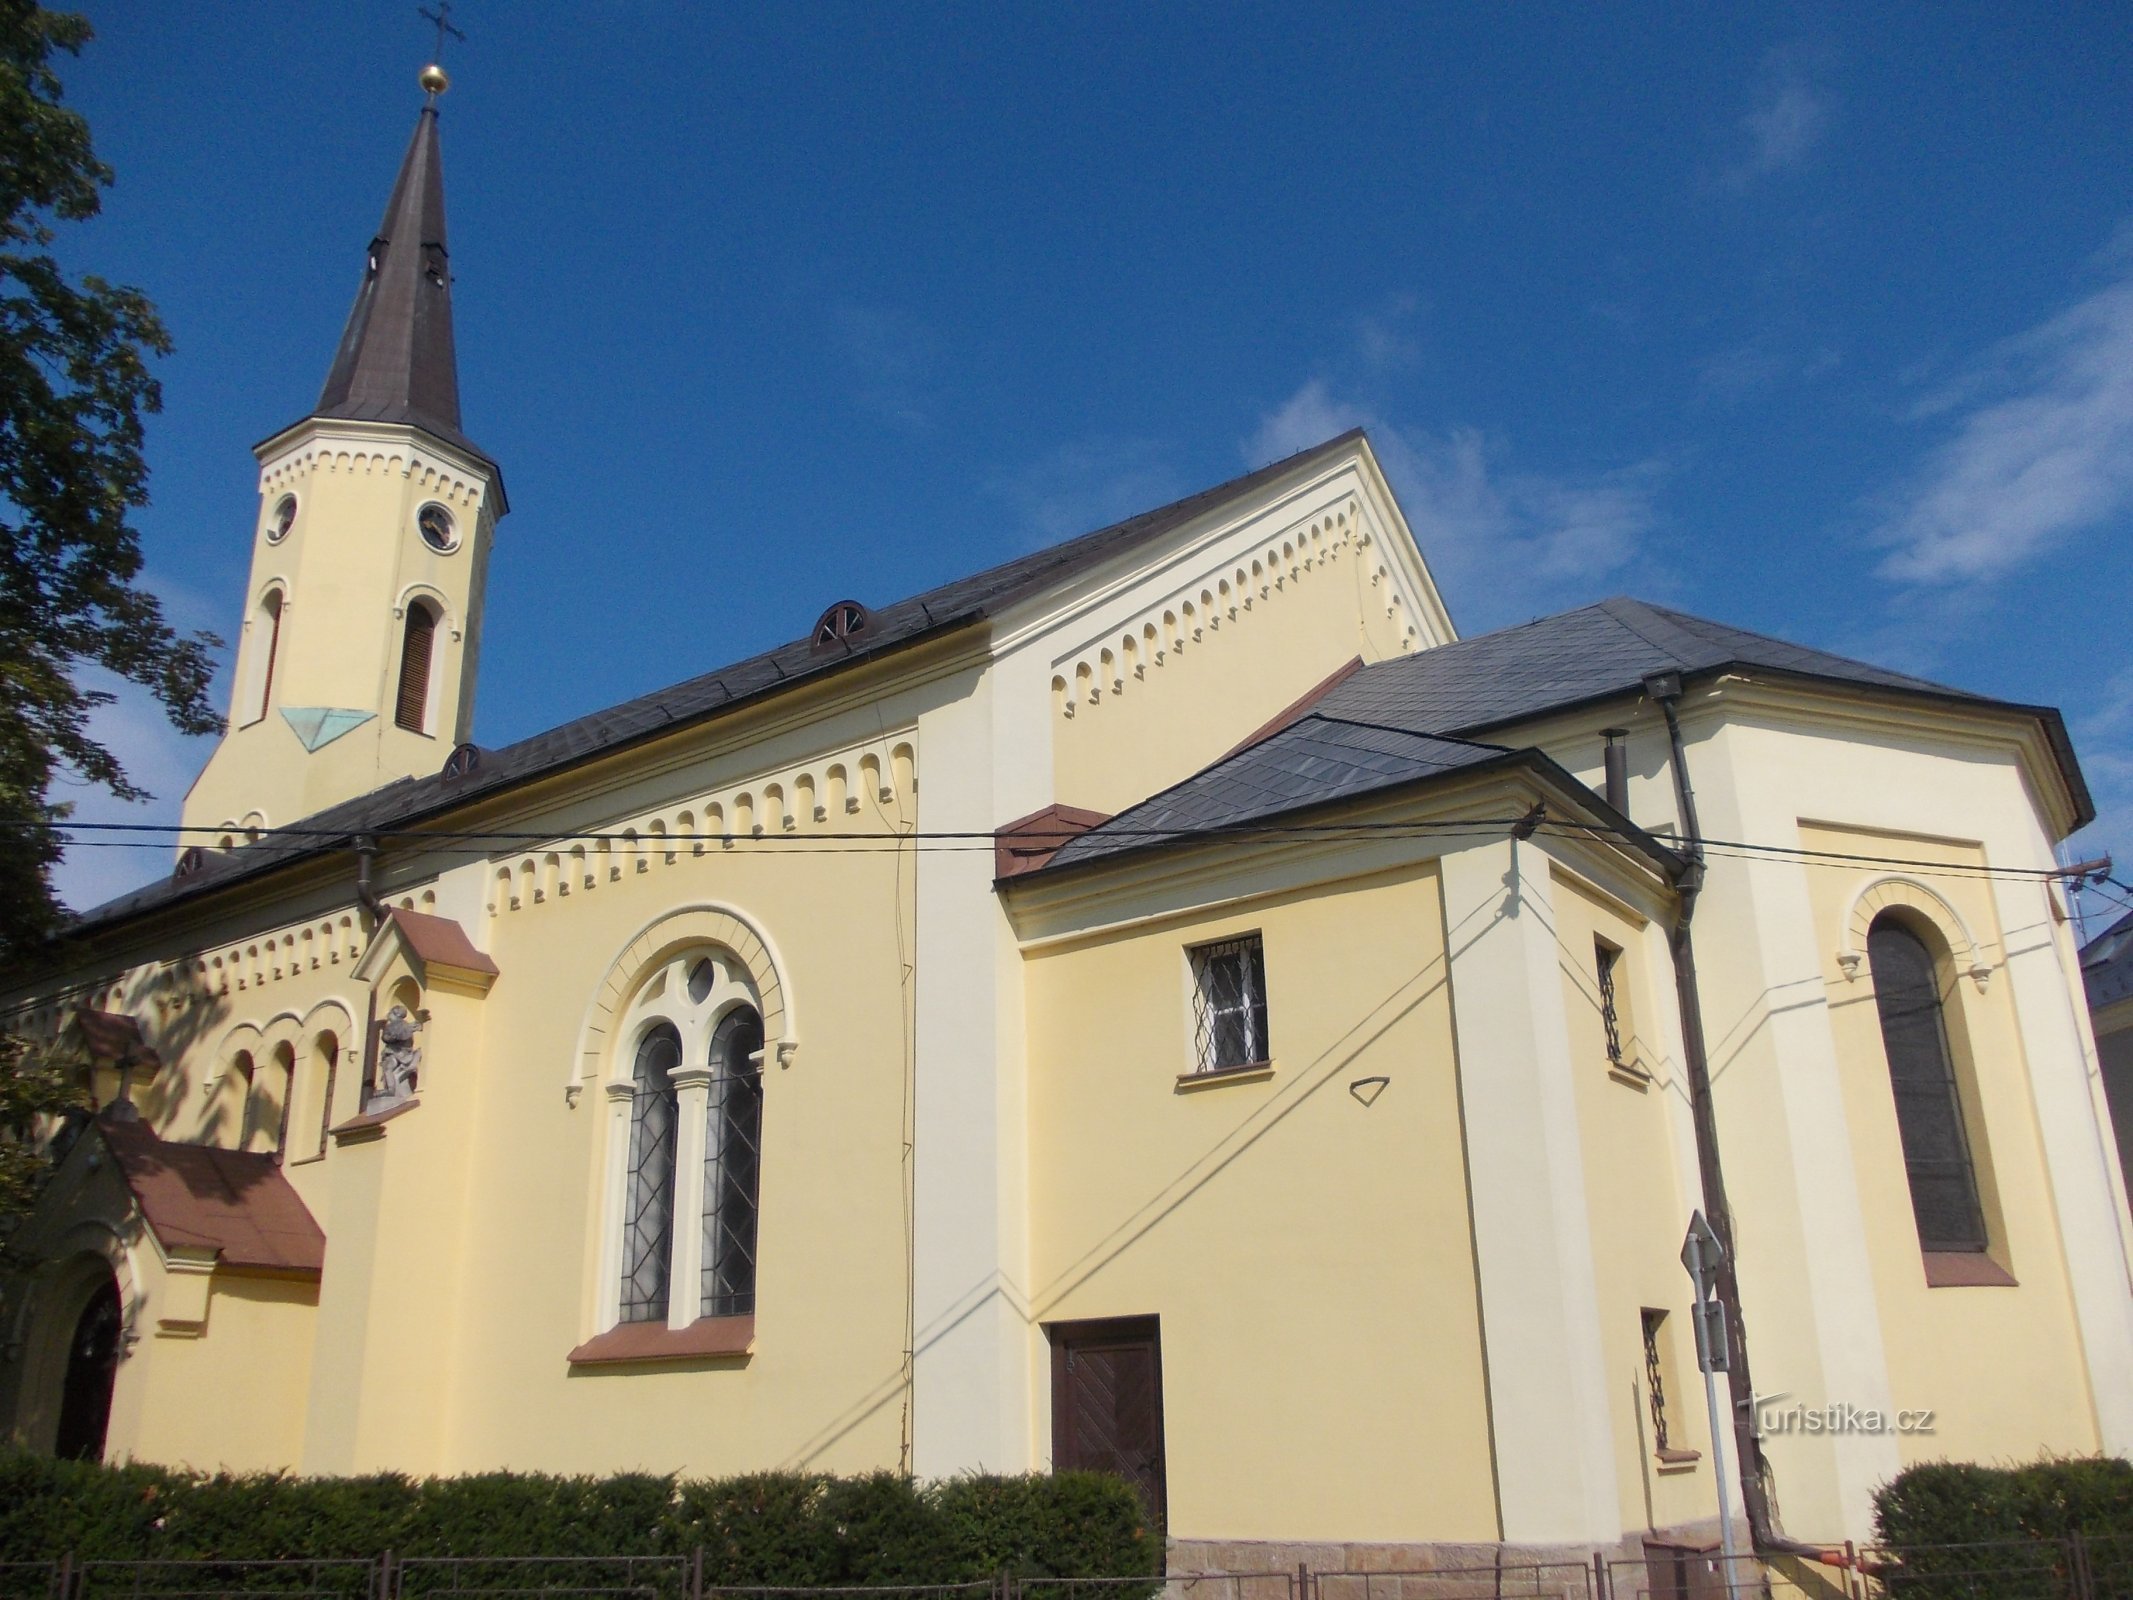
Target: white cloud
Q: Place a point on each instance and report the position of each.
(157, 758)
(1788, 119)
(1526, 541)
(2041, 448)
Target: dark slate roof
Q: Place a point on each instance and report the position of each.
(1601, 651)
(1313, 761)
(2107, 963)
(1595, 653)
(396, 361)
(408, 801)
(1418, 716)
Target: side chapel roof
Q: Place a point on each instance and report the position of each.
(1417, 716)
(235, 1202)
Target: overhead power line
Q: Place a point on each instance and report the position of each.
(491, 842)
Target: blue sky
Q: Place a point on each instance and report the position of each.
(1815, 319)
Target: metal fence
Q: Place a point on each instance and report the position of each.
(2038, 1569)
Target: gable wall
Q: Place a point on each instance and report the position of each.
(1147, 682)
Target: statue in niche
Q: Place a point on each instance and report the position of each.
(399, 1062)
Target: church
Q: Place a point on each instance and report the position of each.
(1166, 1004)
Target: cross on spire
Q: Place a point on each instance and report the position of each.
(442, 17)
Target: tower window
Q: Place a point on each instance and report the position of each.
(437, 527)
(269, 620)
(283, 520)
(418, 644)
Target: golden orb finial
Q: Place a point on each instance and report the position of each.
(433, 79)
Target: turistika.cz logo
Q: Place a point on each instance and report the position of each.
(1781, 1414)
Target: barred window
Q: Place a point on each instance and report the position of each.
(648, 1220)
(1929, 1111)
(733, 1139)
(686, 1220)
(1606, 958)
(1229, 1004)
(1655, 1377)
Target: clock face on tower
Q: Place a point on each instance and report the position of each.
(438, 530)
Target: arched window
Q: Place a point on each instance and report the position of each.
(686, 1196)
(648, 1217)
(417, 645)
(733, 1147)
(1929, 1108)
(269, 648)
(243, 1074)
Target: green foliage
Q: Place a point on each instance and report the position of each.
(785, 1529)
(74, 386)
(1997, 1533)
(30, 1089)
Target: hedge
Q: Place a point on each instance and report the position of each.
(782, 1528)
(1987, 1532)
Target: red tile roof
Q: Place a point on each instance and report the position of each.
(440, 941)
(232, 1201)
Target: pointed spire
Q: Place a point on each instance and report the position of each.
(396, 361)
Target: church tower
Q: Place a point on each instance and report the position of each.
(362, 622)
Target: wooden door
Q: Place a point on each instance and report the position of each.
(1107, 1402)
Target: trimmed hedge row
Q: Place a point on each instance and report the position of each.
(1945, 1502)
(801, 1529)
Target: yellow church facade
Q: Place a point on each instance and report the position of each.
(1166, 1004)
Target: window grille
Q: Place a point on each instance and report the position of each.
(648, 1218)
(1229, 1004)
(1929, 1111)
(733, 1158)
(1655, 1377)
(1605, 958)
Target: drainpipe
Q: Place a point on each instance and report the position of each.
(1664, 689)
(366, 849)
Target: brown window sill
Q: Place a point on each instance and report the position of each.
(1678, 1460)
(370, 1124)
(637, 1342)
(1248, 1072)
(1966, 1269)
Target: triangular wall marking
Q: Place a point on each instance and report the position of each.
(319, 726)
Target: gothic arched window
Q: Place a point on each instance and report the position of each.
(648, 1205)
(733, 1143)
(417, 644)
(1929, 1108)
